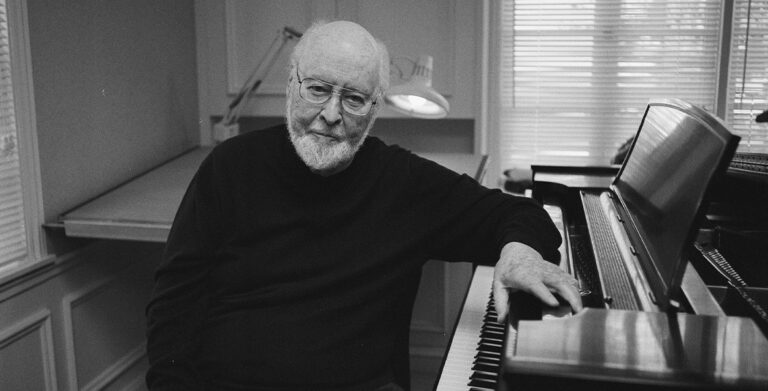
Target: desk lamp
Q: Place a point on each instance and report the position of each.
(416, 97)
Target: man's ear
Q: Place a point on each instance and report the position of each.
(288, 85)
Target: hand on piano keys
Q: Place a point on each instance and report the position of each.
(561, 310)
(521, 268)
(474, 359)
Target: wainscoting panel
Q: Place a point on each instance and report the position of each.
(105, 327)
(79, 323)
(26, 355)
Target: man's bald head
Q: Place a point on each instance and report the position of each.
(347, 42)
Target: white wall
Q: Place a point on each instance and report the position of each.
(115, 86)
(115, 91)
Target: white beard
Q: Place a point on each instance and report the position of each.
(324, 155)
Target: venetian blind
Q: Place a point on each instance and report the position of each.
(13, 243)
(576, 75)
(748, 80)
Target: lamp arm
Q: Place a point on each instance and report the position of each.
(257, 76)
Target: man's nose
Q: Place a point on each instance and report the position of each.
(332, 109)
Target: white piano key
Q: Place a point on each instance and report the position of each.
(457, 368)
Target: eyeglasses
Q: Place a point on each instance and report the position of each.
(318, 92)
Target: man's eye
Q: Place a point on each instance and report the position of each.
(354, 100)
(318, 89)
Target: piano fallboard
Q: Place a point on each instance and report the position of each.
(640, 348)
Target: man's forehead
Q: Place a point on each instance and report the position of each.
(339, 62)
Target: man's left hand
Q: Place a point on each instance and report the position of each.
(520, 267)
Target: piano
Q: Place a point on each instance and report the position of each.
(711, 332)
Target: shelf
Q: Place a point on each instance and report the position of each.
(143, 209)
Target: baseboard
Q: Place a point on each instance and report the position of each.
(137, 384)
(125, 370)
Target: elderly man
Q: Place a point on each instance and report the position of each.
(296, 253)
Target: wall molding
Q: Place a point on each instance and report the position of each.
(37, 322)
(136, 384)
(48, 269)
(68, 303)
(26, 126)
(120, 367)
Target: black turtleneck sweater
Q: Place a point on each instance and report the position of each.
(274, 277)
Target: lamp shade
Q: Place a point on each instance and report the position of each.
(416, 97)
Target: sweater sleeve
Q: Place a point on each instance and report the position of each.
(179, 299)
(473, 223)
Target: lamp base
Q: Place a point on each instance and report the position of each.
(222, 132)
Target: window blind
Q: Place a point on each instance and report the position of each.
(13, 242)
(748, 75)
(576, 75)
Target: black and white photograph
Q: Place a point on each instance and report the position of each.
(363, 195)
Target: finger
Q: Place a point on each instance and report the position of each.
(570, 293)
(500, 301)
(542, 292)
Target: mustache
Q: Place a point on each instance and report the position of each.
(336, 132)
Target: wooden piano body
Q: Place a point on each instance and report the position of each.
(716, 341)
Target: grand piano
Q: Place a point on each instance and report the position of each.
(700, 324)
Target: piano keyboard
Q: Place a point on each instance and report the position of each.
(473, 361)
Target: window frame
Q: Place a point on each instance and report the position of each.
(26, 135)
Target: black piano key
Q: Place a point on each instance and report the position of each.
(492, 339)
(495, 363)
(479, 381)
(482, 384)
(493, 324)
(490, 348)
(487, 359)
(487, 354)
(486, 368)
(492, 333)
(490, 377)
